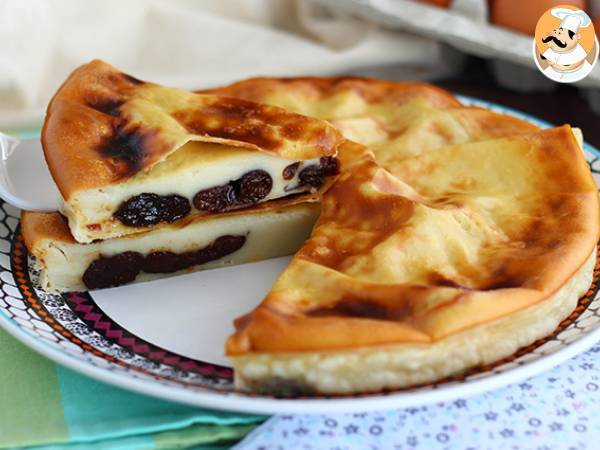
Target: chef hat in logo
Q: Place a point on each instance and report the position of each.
(571, 20)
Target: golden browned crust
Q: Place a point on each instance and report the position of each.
(395, 119)
(103, 126)
(310, 89)
(38, 226)
(484, 124)
(490, 229)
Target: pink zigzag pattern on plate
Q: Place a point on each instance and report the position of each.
(90, 313)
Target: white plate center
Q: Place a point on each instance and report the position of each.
(192, 314)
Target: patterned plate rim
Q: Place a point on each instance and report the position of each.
(218, 396)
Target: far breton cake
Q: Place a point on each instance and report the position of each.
(456, 237)
(484, 249)
(129, 155)
(158, 180)
(481, 242)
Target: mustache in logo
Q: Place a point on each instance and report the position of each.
(556, 41)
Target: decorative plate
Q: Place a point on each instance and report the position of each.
(165, 338)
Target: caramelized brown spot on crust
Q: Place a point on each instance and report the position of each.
(503, 278)
(132, 80)
(504, 283)
(231, 119)
(260, 125)
(108, 106)
(127, 148)
(258, 89)
(363, 309)
(120, 80)
(534, 243)
(437, 279)
(292, 131)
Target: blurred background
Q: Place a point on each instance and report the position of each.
(481, 48)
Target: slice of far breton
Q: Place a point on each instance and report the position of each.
(265, 231)
(129, 155)
(484, 248)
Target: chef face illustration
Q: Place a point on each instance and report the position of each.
(561, 40)
(563, 56)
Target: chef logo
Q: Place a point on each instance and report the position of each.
(565, 47)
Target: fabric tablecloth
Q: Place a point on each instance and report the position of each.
(44, 404)
(558, 409)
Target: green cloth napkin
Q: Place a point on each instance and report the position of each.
(44, 404)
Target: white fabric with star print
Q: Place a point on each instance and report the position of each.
(553, 411)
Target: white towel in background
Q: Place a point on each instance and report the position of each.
(186, 43)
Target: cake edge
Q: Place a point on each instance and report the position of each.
(372, 369)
